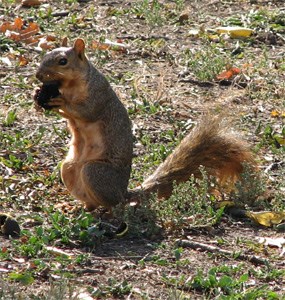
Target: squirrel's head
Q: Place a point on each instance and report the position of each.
(63, 63)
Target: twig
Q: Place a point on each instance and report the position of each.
(60, 14)
(199, 83)
(209, 248)
(142, 37)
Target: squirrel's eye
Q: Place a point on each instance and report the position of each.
(62, 61)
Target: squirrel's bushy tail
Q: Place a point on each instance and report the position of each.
(210, 144)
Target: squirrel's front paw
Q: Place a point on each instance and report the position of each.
(57, 102)
(46, 94)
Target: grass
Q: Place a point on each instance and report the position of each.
(190, 203)
(206, 63)
(56, 291)
(223, 282)
(64, 251)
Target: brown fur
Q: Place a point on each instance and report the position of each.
(97, 167)
(98, 164)
(210, 144)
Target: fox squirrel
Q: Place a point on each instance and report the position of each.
(97, 167)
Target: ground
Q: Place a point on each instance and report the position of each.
(171, 68)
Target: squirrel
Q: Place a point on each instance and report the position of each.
(97, 167)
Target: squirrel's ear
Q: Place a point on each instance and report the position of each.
(64, 42)
(79, 47)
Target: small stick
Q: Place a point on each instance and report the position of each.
(209, 248)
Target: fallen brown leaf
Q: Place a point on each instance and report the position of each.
(31, 3)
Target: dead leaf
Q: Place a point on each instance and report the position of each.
(30, 3)
(50, 38)
(235, 31)
(183, 18)
(99, 46)
(4, 250)
(29, 32)
(15, 36)
(16, 32)
(275, 114)
(6, 61)
(266, 218)
(44, 44)
(18, 23)
(24, 239)
(109, 45)
(22, 61)
(59, 252)
(274, 242)
(228, 74)
(4, 27)
(225, 203)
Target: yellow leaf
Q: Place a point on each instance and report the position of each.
(235, 32)
(266, 218)
(280, 139)
(225, 203)
(275, 113)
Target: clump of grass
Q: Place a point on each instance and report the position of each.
(114, 289)
(190, 203)
(222, 282)
(59, 290)
(206, 63)
(63, 229)
(250, 186)
(151, 11)
(141, 219)
(278, 203)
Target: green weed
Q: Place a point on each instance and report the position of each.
(62, 289)
(250, 186)
(223, 282)
(24, 278)
(113, 289)
(150, 10)
(190, 204)
(10, 118)
(62, 229)
(141, 219)
(206, 63)
(275, 139)
(144, 106)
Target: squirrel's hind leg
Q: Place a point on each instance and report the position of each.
(105, 184)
